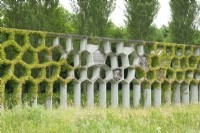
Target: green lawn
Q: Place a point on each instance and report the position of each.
(165, 119)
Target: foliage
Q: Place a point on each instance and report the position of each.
(183, 25)
(165, 119)
(140, 15)
(117, 32)
(92, 16)
(36, 15)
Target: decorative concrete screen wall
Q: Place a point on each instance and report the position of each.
(146, 73)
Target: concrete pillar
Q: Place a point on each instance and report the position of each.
(114, 63)
(136, 94)
(199, 92)
(68, 44)
(83, 44)
(114, 94)
(193, 93)
(90, 94)
(167, 97)
(119, 47)
(34, 101)
(102, 94)
(176, 93)
(157, 97)
(125, 95)
(107, 47)
(147, 97)
(185, 93)
(77, 94)
(49, 102)
(63, 95)
(49, 97)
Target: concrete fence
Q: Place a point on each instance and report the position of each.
(135, 73)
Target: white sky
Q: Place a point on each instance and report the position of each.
(117, 17)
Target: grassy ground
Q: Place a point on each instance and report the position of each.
(165, 119)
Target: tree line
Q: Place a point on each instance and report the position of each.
(91, 18)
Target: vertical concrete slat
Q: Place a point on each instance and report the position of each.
(63, 95)
(77, 94)
(102, 94)
(185, 93)
(125, 95)
(114, 94)
(136, 95)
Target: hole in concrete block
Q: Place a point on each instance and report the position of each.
(43, 56)
(4, 37)
(19, 39)
(192, 61)
(160, 74)
(150, 48)
(179, 50)
(73, 59)
(155, 61)
(175, 63)
(119, 60)
(184, 63)
(56, 53)
(196, 51)
(170, 74)
(85, 58)
(49, 41)
(134, 58)
(160, 49)
(63, 43)
(188, 50)
(113, 47)
(20, 70)
(29, 56)
(37, 72)
(139, 73)
(4, 69)
(11, 52)
(170, 50)
(52, 71)
(108, 61)
(151, 75)
(64, 72)
(10, 88)
(35, 40)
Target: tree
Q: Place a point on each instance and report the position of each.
(116, 32)
(140, 15)
(183, 25)
(92, 16)
(35, 15)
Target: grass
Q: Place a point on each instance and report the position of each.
(165, 119)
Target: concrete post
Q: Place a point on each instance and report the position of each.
(193, 93)
(185, 93)
(176, 93)
(136, 94)
(90, 94)
(49, 102)
(102, 94)
(63, 95)
(77, 94)
(157, 97)
(114, 94)
(147, 97)
(125, 95)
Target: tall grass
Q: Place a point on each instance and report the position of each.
(38, 120)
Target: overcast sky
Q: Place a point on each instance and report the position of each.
(117, 17)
